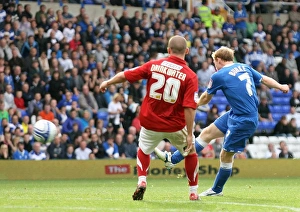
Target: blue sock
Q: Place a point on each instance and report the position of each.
(177, 156)
(222, 177)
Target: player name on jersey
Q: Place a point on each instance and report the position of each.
(169, 71)
(236, 70)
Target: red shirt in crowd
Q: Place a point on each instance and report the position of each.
(48, 116)
(171, 86)
(19, 102)
(74, 44)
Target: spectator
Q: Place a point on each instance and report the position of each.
(287, 78)
(228, 29)
(204, 75)
(295, 99)
(264, 92)
(82, 152)
(293, 114)
(16, 59)
(4, 154)
(264, 110)
(114, 110)
(96, 146)
(19, 101)
(35, 105)
(255, 57)
(37, 86)
(240, 17)
(84, 121)
(251, 26)
(272, 73)
(21, 153)
(212, 115)
(217, 146)
(111, 148)
(130, 146)
(57, 149)
(47, 113)
(292, 127)
(65, 62)
(205, 14)
(70, 154)
(3, 112)
(216, 33)
(120, 142)
(272, 152)
(74, 133)
(68, 125)
(259, 33)
(136, 120)
(87, 100)
(36, 153)
(285, 153)
(25, 123)
(58, 34)
(217, 17)
(9, 98)
(281, 128)
(56, 86)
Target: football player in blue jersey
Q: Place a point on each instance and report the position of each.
(237, 81)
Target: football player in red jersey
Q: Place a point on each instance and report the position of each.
(168, 110)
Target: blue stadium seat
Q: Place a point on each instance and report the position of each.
(102, 115)
(276, 109)
(285, 101)
(219, 93)
(281, 94)
(223, 100)
(201, 117)
(277, 116)
(105, 123)
(277, 100)
(23, 113)
(266, 126)
(286, 109)
(214, 100)
(221, 107)
(88, 1)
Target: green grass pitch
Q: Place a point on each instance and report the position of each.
(167, 194)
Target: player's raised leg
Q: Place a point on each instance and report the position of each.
(209, 133)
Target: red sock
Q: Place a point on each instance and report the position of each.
(192, 169)
(143, 162)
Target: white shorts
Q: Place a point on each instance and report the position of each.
(149, 139)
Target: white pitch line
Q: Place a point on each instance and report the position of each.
(148, 201)
(87, 208)
(258, 205)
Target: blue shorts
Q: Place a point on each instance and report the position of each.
(237, 129)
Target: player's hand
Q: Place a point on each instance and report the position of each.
(103, 86)
(284, 88)
(190, 145)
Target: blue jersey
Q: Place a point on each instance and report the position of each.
(237, 81)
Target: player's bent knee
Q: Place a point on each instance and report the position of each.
(226, 157)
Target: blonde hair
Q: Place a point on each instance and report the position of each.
(224, 53)
(116, 95)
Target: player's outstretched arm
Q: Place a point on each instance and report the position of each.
(204, 99)
(118, 78)
(271, 83)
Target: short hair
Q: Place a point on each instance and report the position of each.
(224, 53)
(177, 44)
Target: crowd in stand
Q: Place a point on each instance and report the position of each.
(52, 63)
